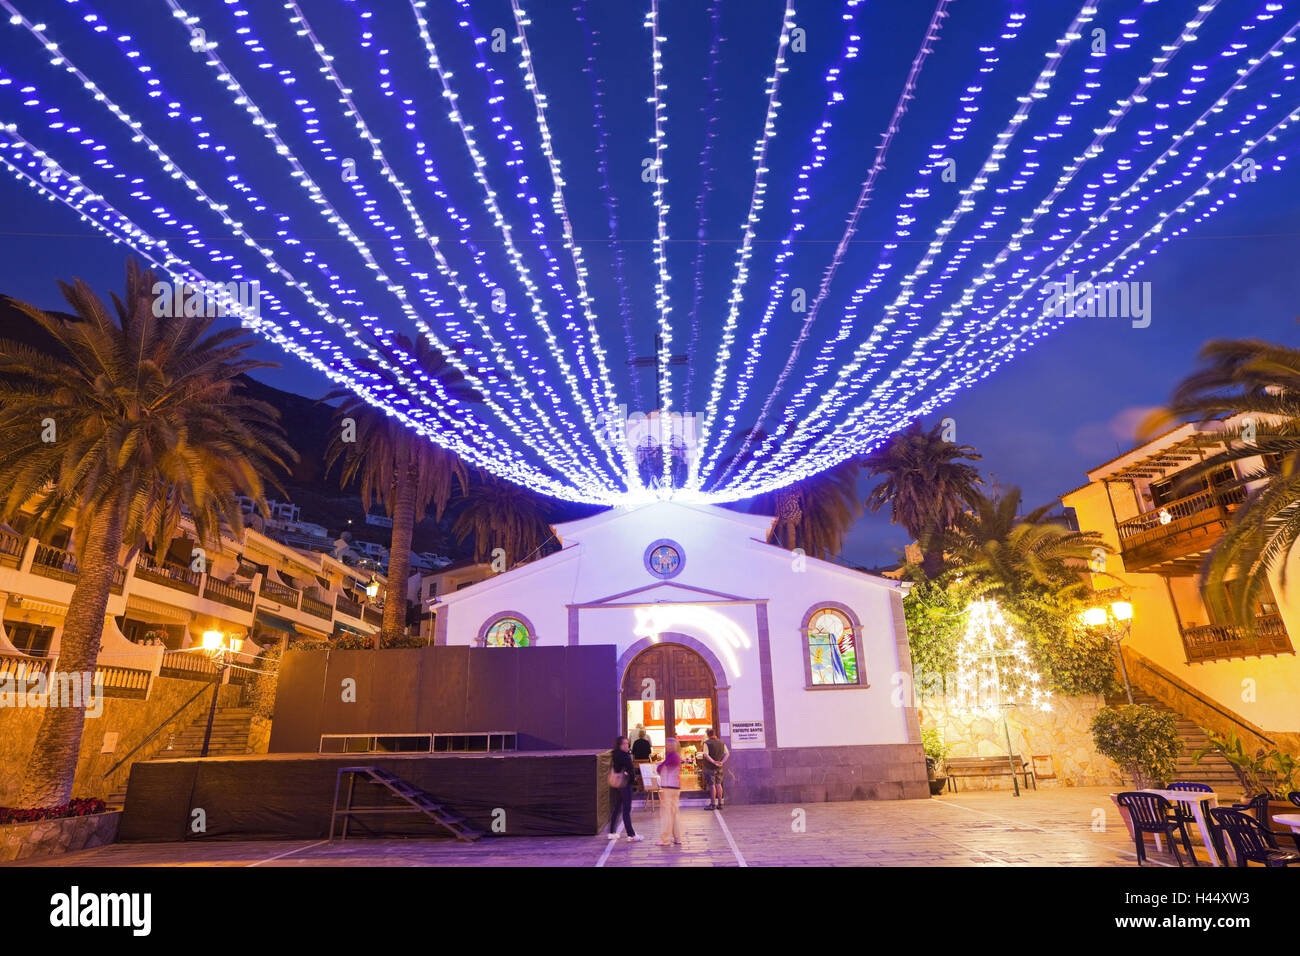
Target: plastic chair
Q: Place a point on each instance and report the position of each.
(1183, 811)
(1252, 841)
(1152, 813)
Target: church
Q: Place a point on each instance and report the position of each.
(801, 665)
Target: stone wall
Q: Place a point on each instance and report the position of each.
(130, 720)
(20, 841)
(259, 735)
(1062, 735)
(821, 774)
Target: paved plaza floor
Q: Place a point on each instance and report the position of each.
(1059, 827)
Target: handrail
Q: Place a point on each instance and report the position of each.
(1210, 704)
(176, 713)
(1196, 503)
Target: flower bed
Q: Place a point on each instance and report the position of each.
(78, 825)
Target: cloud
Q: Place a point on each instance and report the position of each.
(1101, 441)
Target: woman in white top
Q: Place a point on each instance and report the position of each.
(670, 786)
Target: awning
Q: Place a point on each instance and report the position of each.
(276, 623)
(340, 626)
(288, 579)
(324, 582)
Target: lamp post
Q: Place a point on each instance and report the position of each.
(214, 641)
(1118, 613)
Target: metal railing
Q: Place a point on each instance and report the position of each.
(1210, 642)
(232, 595)
(168, 575)
(1185, 689)
(279, 592)
(1224, 496)
(154, 733)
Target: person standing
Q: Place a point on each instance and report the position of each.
(670, 787)
(621, 769)
(641, 746)
(717, 754)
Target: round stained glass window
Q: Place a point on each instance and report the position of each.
(664, 558)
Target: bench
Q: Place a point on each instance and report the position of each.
(1000, 766)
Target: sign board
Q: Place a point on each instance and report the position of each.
(381, 521)
(748, 735)
(649, 779)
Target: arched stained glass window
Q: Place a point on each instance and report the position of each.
(832, 648)
(508, 632)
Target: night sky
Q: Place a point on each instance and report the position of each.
(1041, 421)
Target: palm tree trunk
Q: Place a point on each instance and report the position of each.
(399, 552)
(932, 563)
(52, 766)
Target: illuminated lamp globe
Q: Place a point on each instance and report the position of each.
(1094, 616)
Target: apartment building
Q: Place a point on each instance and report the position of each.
(1182, 646)
(255, 590)
(425, 591)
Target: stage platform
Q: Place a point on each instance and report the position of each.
(290, 796)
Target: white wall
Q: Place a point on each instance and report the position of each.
(604, 557)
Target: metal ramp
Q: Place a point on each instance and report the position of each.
(416, 799)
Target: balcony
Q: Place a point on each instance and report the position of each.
(189, 665)
(347, 606)
(52, 562)
(279, 592)
(231, 595)
(316, 608)
(374, 615)
(1173, 537)
(168, 575)
(11, 548)
(1221, 642)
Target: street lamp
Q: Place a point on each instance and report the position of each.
(215, 643)
(372, 588)
(1118, 613)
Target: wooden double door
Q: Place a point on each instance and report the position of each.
(673, 684)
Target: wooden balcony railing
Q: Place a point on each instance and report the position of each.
(1225, 496)
(374, 616)
(168, 575)
(347, 606)
(1216, 642)
(119, 580)
(52, 562)
(316, 607)
(231, 595)
(279, 592)
(189, 665)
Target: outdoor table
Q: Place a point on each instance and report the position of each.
(1291, 820)
(1195, 798)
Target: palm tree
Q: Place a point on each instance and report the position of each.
(813, 514)
(402, 470)
(150, 421)
(999, 553)
(926, 484)
(500, 514)
(1261, 381)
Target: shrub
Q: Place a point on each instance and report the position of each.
(80, 807)
(1143, 741)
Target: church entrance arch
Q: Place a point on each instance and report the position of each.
(671, 690)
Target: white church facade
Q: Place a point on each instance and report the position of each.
(801, 665)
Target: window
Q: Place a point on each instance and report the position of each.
(507, 631)
(32, 639)
(832, 648)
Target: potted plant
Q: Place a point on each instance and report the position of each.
(936, 751)
(1144, 742)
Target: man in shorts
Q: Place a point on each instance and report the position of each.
(716, 755)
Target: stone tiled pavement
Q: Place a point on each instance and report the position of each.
(992, 828)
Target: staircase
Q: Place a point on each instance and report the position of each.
(230, 729)
(415, 798)
(1213, 768)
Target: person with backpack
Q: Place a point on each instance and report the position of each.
(621, 769)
